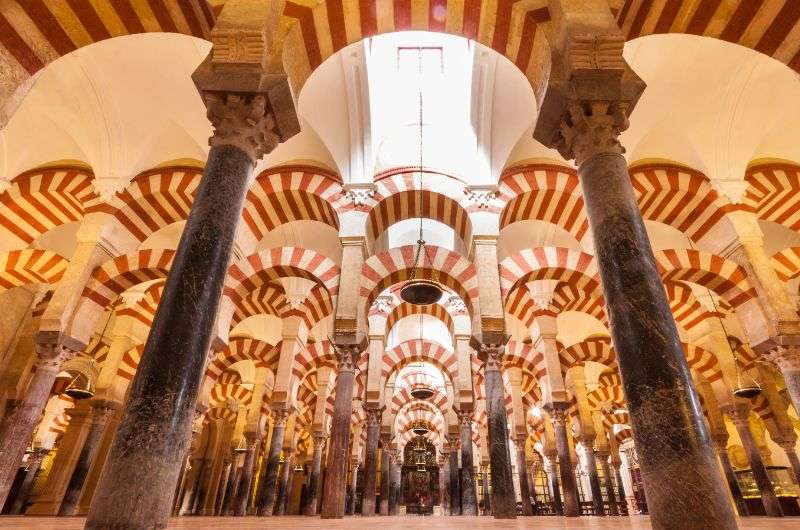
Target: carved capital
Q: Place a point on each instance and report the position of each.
(558, 413)
(320, 439)
(52, 356)
(465, 418)
(347, 355)
(491, 354)
(244, 121)
(739, 414)
(786, 358)
(592, 128)
(373, 416)
(280, 415)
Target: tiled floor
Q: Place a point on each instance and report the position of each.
(386, 523)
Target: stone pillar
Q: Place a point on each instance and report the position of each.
(335, 487)
(788, 447)
(34, 464)
(268, 489)
(385, 464)
(522, 475)
(555, 486)
(234, 477)
(283, 487)
(353, 487)
(565, 467)
(583, 119)
(24, 418)
(314, 479)
(373, 422)
(594, 480)
(469, 500)
(394, 482)
(152, 436)
(101, 412)
(730, 476)
(787, 359)
(504, 505)
(487, 498)
(455, 490)
(444, 479)
(246, 479)
(608, 483)
(740, 414)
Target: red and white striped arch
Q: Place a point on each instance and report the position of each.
(153, 200)
(130, 362)
(313, 356)
(787, 263)
(594, 349)
(403, 396)
(113, 277)
(395, 265)
(218, 413)
(774, 193)
(679, 197)
(145, 310)
(418, 350)
(268, 299)
(525, 356)
(566, 297)
(549, 263)
(416, 412)
(29, 266)
(250, 273)
(404, 309)
(223, 393)
(703, 362)
(418, 204)
(686, 310)
(543, 193)
(292, 193)
(263, 354)
(724, 277)
(40, 200)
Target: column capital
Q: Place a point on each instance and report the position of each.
(786, 358)
(739, 413)
(491, 354)
(373, 416)
(557, 412)
(320, 439)
(280, 414)
(50, 356)
(464, 418)
(592, 128)
(245, 121)
(347, 354)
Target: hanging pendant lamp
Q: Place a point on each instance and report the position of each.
(419, 291)
(742, 390)
(81, 387)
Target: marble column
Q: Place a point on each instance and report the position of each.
(683, 485)
(268, 489)
(394, 483)
(351, 508)
(22, 420)
(283, 486)
(385, 464)
(33, 465)
(555, 486)
(730, 476)
(246, 478)
(787, 359)
(504, 505)
(487, 498)
(522, 477)
(455, 490)
(444, 479)
(335, 487)
(469, 500)
(102, 411)
(566, 469)
(313, 481)
(740, 414)
(594, 479)
(373, 422)
(788, 447)
(152, 436)
(234, 477)
(620, 485)
(222, 485)
(608, 483)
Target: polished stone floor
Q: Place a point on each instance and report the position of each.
(386, 523)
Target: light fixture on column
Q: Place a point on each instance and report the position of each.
(241, 447)
(81, 387)
(419, 291)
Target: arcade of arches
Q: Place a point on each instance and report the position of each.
(210, 209)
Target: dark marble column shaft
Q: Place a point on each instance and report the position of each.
(608, 483)
(555, 486)
(620, 484)
(504, 505)
(283, 486)
(34, 464)
(682, 482)
(246, 479)
(469, 499)
(373, 422)
(312, 496)
(522, 474)
(351, 507)
(394, 484)
(234, 477)
(487, 497)
(733, 484)
(566, 468)
(444, 481)
(455, 490)
(152, 437)
(101, 413)
(594, 479)
(335, 487)
(791, 455)
(22, 420)
(222, 486)
(772, 506)
(269, 487)
(385, 464)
